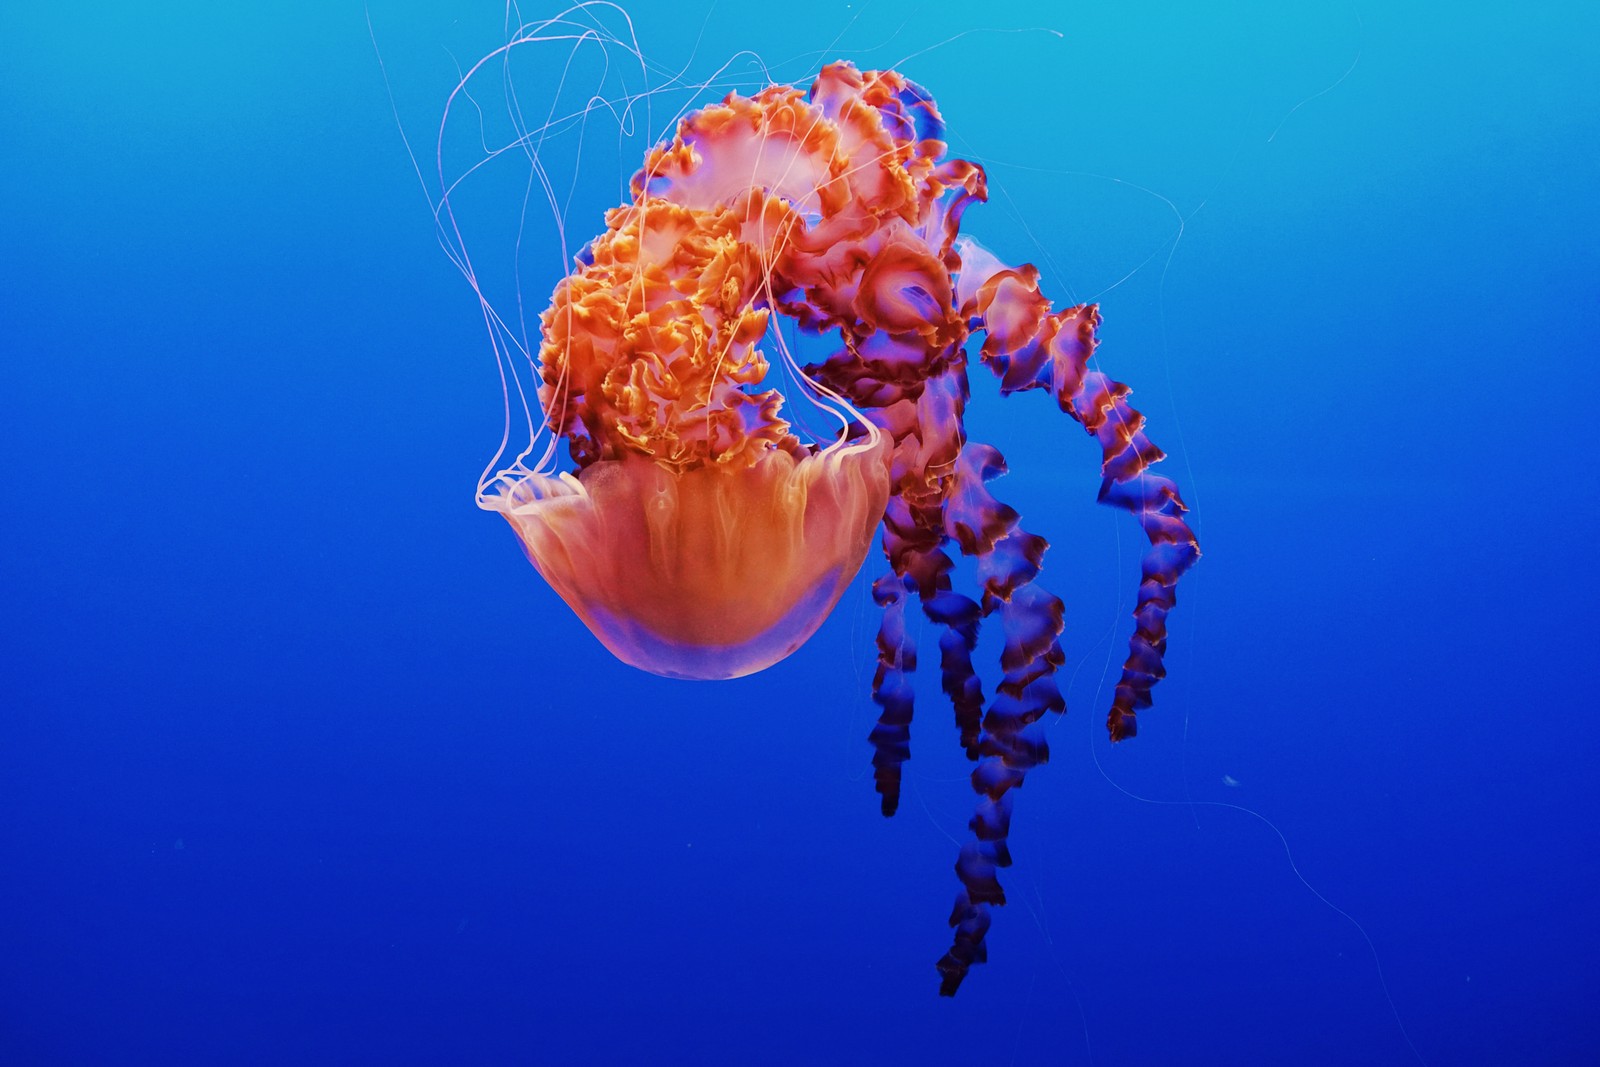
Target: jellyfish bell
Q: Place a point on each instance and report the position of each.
(698, 537)
(710, 572)
(694, 534)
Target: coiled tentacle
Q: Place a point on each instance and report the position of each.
(1030, 347)
(1008, 744)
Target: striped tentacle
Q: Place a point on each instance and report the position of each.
(1008, 743)
(1030, 347)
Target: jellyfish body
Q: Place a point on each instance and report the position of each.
(704, 573)
(699, 537)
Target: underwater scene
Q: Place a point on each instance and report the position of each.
(841, 533)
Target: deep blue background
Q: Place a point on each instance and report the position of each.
(300, 762)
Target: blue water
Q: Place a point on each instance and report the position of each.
(301, 763)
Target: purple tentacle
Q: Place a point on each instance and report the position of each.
(1029, 347)
(891, 689)
(912, 539)
(1009, 744)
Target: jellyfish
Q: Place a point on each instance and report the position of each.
(699, 534)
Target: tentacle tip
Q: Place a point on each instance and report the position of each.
(952, 970)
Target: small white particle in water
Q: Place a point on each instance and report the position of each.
(1230, 781)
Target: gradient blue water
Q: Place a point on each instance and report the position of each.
(300, 763)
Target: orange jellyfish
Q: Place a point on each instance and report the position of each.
(699, 536)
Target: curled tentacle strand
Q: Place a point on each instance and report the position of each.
(1030, 347)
